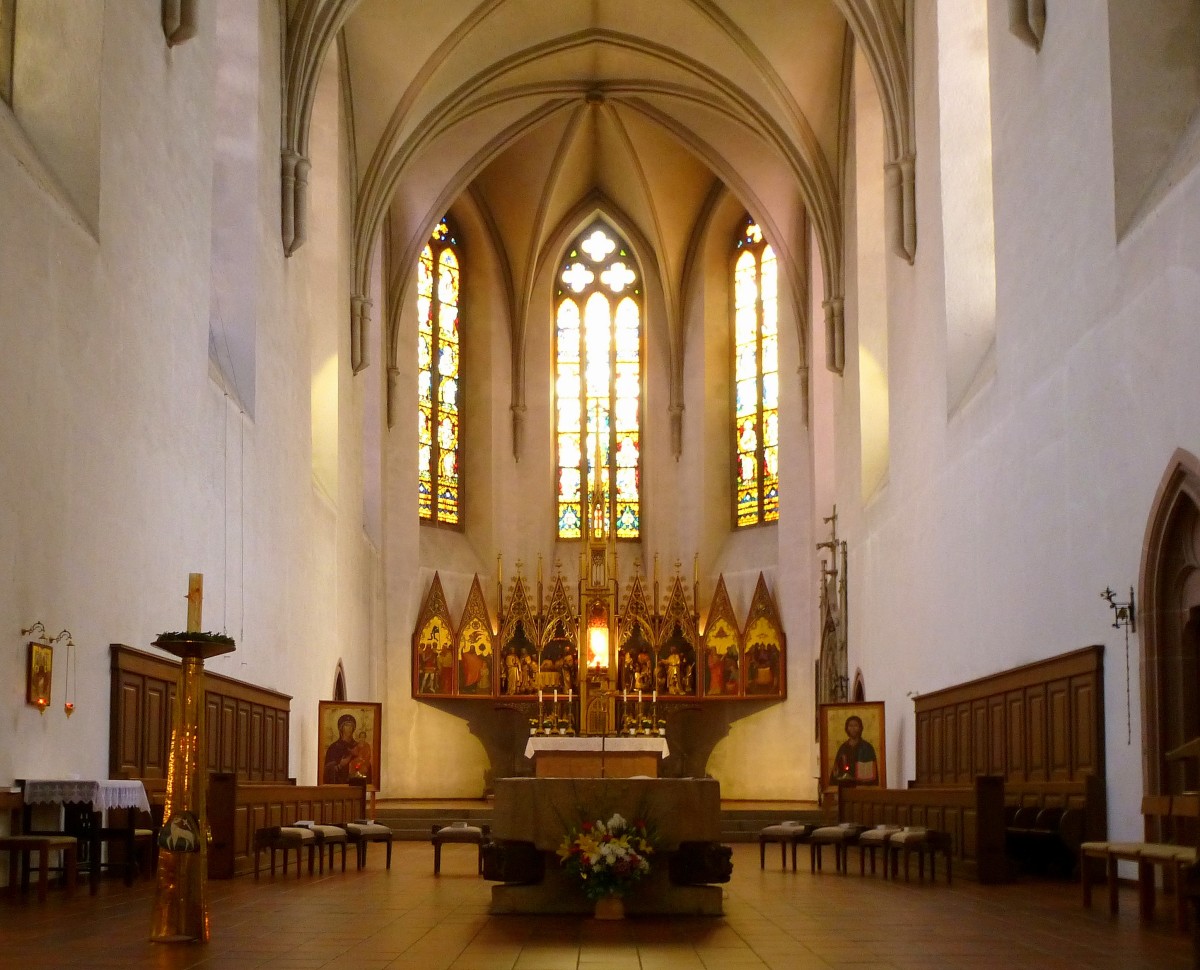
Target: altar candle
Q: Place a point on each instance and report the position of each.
(539, 695)
(639, 697)
(555, 695)
(570, 694)
(654, 699)
(625, 696)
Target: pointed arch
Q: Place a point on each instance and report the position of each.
(1170, 627)
(882, 31)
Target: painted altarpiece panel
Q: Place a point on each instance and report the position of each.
(764, 647)
(722, 647)
(476, 646)
(433, 646)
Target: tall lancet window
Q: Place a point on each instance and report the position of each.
(438, 289)
(756, 379)
(598, 384)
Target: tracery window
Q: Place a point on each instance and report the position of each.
(756, 379)
(598, 383)
(438, 359)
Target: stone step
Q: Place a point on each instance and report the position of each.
(737, 825)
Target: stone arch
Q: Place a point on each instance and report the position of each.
(882, 31)
(339, 683)
(1170, 626)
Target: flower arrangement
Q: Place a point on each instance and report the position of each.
(607, 858)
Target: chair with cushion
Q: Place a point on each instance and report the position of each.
(458, 832)
(361, 832)
(785, 833)
(284, 838)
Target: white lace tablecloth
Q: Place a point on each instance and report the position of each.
(102, 795)
(588, 743)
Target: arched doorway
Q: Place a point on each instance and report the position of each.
(1170, 625)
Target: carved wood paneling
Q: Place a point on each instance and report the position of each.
(1037, 723)
(246, 727)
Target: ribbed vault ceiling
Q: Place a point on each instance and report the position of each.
(535, 107)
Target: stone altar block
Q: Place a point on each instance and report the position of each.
(541, 811)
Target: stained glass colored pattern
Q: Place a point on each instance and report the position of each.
(598, 385)
(756, 379)
(438, 378)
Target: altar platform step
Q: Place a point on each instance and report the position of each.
(413, 819)
(741, 821)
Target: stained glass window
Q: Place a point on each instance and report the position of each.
(598, 383)
(438, 361)
(756, 379)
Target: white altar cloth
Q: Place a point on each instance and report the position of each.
(616, 742)
(102, 795)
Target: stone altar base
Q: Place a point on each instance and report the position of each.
(655, 895)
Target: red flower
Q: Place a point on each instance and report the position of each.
(586, 826)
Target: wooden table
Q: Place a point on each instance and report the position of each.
(93, 798)
(596, 757)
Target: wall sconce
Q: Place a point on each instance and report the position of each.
(1124, 618)
(69, 679)
(1123, 613)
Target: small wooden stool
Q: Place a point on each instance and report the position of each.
(330, 835)
(869, 841)
(841, 837)
(458, 832)
(19, 847)
(785, 833)
(284, 838)
(923, 842)
(362, 832)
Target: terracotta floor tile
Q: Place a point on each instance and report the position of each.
(405, 919)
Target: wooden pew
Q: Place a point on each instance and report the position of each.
(236, 810)
(973, 816)
(1047, 822)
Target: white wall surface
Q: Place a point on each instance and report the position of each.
(122, 466)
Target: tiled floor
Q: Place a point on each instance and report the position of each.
(407, 918)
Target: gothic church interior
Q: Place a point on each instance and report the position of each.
(980, 349)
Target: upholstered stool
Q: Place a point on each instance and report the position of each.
(924, 842)
(839, 836)
(361, 832)
(19, 847)
(785, 833)
(284, 838)
(330, 835)
(458, 832)
(869, 841)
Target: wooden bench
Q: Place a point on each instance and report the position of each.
(1047, 822)
(19, 847)
(1172, 822)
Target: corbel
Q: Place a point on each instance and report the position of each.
(1027, 21)
(179, 21)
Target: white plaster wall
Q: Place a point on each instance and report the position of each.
(999, 527)
(122, 467)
